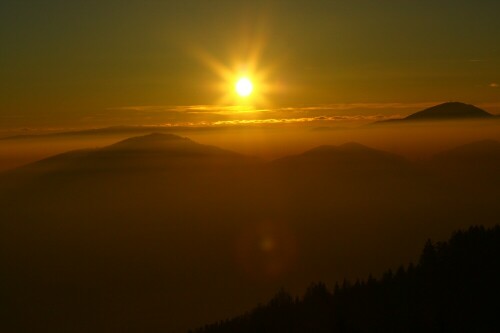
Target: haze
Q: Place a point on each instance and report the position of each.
(169, 164)
(86, 64)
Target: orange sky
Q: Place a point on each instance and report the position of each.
(83, 64)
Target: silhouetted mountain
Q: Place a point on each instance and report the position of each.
(345, 171)
(152, 151)
(347, 157)
(475, 167)
(159, 233)
(170, 144)
(111, 131)
(451, 110)
(442, 112)
(453, 288)
(128, 229)
(473, 154)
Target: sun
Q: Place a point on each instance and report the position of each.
(243, 80)
(244, 87)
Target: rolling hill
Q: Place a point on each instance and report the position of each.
(155, 150)
(475, 153)
(126, 231)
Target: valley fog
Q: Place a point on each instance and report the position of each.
(413, 141)
(160, 232)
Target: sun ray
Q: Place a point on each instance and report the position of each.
(243, 78)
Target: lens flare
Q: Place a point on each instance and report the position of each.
(243, 76)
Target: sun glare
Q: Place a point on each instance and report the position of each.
(243, 79)
(244, 87)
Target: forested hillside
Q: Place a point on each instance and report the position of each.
(453, 288)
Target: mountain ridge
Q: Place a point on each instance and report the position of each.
(444, 112)
(155, 150)
(474, 157)
(344, 156)
(127, 219)
(448, 110)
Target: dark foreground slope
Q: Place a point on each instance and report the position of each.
(159, 233)
(453, 288)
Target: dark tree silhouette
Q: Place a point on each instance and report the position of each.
(453, 288)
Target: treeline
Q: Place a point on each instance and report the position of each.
(454, 287)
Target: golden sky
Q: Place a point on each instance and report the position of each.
(85, 63)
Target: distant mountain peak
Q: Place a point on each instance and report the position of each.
(149, 141)
(480, 160)
(154, 151)
(348, 156)
(349, 148)
(343, 148)
(450, 110)
(157, 142)
(485, 149)
(486, 143)
(159, 136)
(353, 145)
(442, 112)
